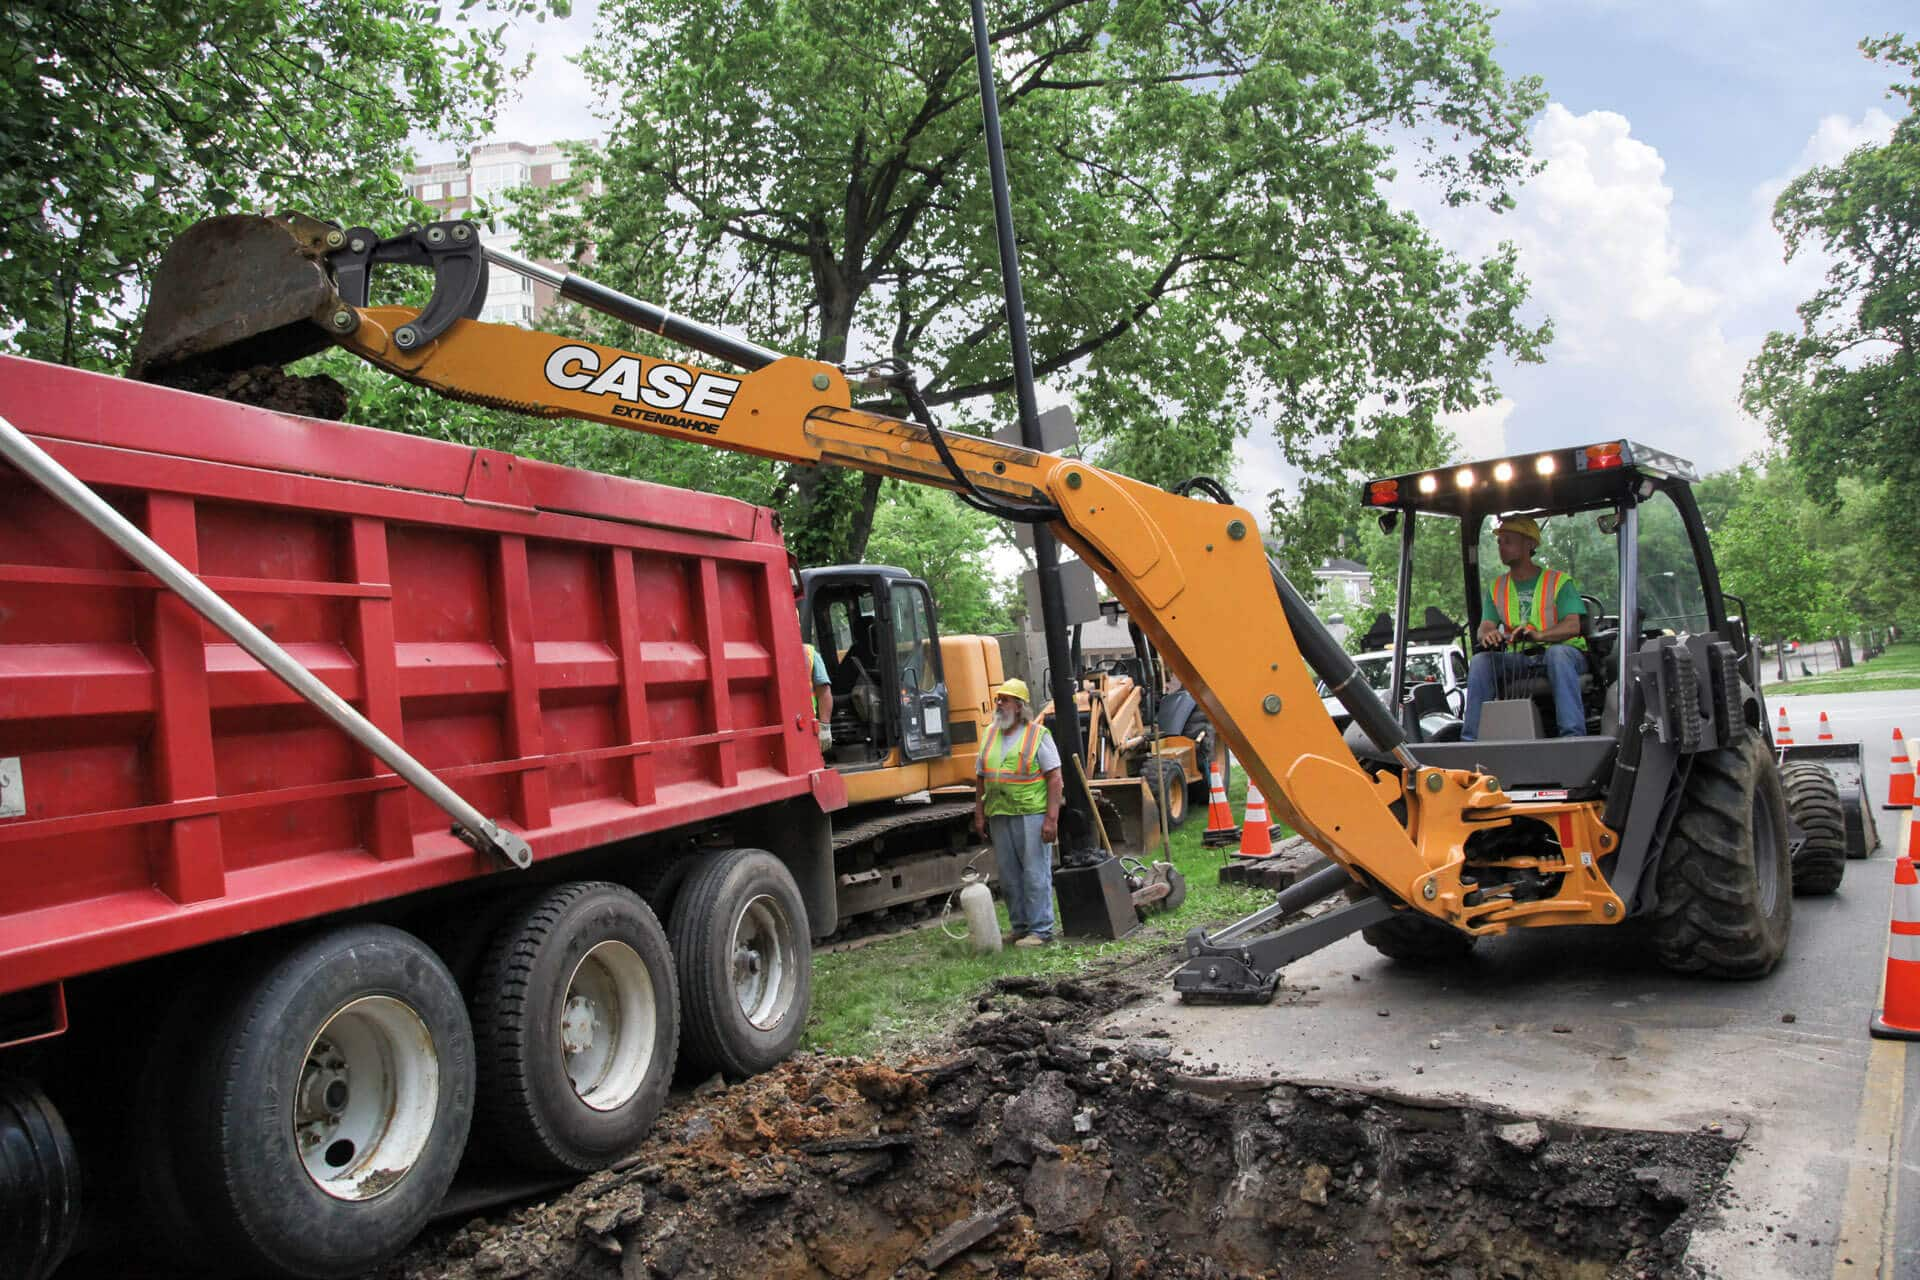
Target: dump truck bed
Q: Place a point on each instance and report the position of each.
(584, 658)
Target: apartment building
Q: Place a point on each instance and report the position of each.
(454, 188)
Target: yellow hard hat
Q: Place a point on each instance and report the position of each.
(1013, 689)
(1525, 526)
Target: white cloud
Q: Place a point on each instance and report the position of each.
(1650, 339)
(555, 102)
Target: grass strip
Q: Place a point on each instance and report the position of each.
(905, 990)
(1897, 668)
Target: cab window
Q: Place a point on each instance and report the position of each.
(1672, 597)
(913, 637)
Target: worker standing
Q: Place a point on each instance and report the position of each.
(1018, 801)
(822, 696)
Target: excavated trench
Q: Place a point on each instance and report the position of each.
(1034, 1151)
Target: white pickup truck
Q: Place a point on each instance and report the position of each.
(1441, 664)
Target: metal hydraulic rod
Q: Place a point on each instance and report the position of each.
(70, 491)
(641, 315)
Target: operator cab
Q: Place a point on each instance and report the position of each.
(1618, 518)
(874, 626)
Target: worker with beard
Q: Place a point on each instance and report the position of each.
(1018, 801)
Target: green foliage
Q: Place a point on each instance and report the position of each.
(947, 544)
(121, 124)
(1843, 395)
(1204, 242)
(1765, 558)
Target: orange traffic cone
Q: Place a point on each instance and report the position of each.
(1913, 834)
(1783, 736)
(1899, 1016)
(1826, 730)
(1220, 829)
(1256, 837)
(1899, 776)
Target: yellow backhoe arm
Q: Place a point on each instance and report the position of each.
(1192, 572)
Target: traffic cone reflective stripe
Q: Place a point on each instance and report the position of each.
(1220, 829)
(1826, 730)
(1783, 736)
(1899, 776)
(1256, 837)
(1899, 1016)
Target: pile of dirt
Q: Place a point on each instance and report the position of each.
(1030, 1150)
(265, 387)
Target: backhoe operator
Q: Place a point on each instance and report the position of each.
(1528, 605)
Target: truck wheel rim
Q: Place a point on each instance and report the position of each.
(764, 967)
(607, 1026)
(366, 1098)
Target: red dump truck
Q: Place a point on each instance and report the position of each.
(255, 989)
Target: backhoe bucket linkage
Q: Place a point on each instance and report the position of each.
(1229, 966)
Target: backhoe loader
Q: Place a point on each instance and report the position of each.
(1671, 811)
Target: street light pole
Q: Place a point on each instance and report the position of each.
(1077, 818)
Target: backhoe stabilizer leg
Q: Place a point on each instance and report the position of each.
(1248, 970)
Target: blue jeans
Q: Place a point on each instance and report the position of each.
(1025, 867)
(1561, 664)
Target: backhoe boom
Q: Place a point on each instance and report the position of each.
(1192, 572)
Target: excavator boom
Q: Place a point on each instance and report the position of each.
(1193, 572)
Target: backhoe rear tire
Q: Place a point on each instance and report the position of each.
(1412, 939)
(1813, 802)
(1724, 882)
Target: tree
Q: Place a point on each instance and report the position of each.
(1843, 395)
(121, 124)
(1764, 560)
(1196, 187)
(946, 544)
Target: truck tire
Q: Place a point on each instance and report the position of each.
(39, 1182)
(1813, 802)
(1412, 939)
(1169, 786)
(329, 1106)
(1724, 881)
(576, 1019)
(739, 933)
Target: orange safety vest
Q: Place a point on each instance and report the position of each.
(1011, 769)
(1545, 588)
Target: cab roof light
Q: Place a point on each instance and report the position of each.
(1382, 492)
(1599, 457)
(1545, 465)
(1429, 483)
(1503, 471)
(1464, 477)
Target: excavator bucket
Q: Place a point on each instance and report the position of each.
(235, 292)
(1127, 811)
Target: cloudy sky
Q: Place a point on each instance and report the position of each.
(1672, 126)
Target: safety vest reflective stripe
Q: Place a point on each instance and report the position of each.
(1025, 768)
(1545, 588)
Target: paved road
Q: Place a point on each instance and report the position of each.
(1828, 1179)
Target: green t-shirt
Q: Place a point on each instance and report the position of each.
(1566, 599)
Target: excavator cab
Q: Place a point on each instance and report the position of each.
(875, 628)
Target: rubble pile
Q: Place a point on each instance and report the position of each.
(1030, 1150)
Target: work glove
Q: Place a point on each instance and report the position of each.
(826, 739)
